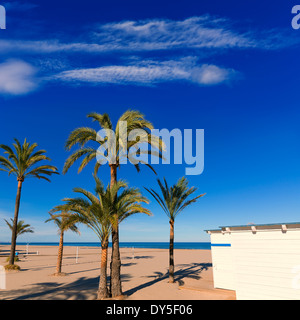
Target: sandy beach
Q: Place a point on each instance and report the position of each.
(144, 275)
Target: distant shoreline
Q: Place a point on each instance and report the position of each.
(143, 245)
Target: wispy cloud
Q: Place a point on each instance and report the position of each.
(204, 32)
(17, 77)
(163, 34)
(192, 37)
(150, 72)
(45, 46)
(199, 32)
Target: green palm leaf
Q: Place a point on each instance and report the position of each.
(115, 153)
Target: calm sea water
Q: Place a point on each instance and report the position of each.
(148, 245)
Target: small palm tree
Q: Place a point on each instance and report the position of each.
(115, 155)
(64, 223)
(98, 213)
(23, 162)
(21, 227)
(173, 201)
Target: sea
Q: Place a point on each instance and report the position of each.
(145, 245)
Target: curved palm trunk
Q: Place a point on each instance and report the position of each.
(60, 253)
(15, 224)
(103, 291)
(115, 264)
(171, 253)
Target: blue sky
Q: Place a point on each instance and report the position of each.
(228, 67)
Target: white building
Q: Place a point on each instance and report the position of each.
(259, 262)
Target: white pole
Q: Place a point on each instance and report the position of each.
(27, 249)
(76, 254)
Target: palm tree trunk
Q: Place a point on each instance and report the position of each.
(171, 253)
(113, 174)
(15, 224)
(60, 253)
(103, 291)
(115, 264)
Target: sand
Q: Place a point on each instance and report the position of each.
(144, 275)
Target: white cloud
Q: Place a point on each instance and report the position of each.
(194, 32)
(198, 32)
(17, 77)
(202, 35)
(211, 74)
(150, 72)
(202, 32)
(36, 46)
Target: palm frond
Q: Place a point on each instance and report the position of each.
(80, 136)
(107, 207)
(87, 152)
(175, 198)
(134, 120)
(21, 227)
(103, 119)
(24, 161)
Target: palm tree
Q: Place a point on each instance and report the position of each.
(64, 223)
(23, 162)
(21, 227)
(173, 201)
(115, 155)
(98, 213)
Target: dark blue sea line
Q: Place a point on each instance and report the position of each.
(145, 245)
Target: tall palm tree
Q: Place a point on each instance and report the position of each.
(173, 200)
(115, 155)
(23, 162)
(98, 213)
(64, 223)
(21, 227)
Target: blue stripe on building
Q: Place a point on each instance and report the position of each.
(221, 245)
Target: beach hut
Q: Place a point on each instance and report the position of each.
(259, 262)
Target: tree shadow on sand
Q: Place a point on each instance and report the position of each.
(83, 288)
(138, 257)
(128, 264)
(192, 270)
